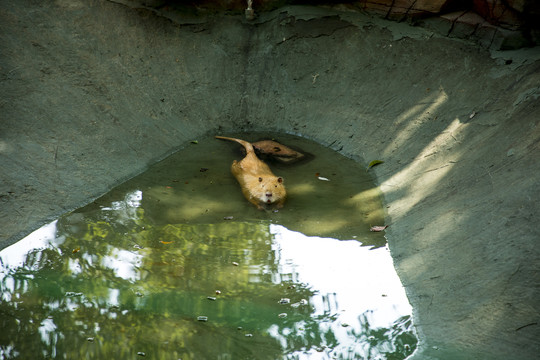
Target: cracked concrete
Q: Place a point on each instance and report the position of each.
(92, 92)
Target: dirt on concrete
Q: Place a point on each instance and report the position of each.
(92, 92)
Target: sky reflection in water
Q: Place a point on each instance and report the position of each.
(341, 295)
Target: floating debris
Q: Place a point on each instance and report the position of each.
(218, 292)
(300, 303)
(249, 335)
(282, 315)
(90, 339)
(76, 250)
(235, 263)
(378, 228)
(374, 163)
(194, 142)
(285, 301)
(323, 178)
(140, 353)
(203, 169)
(228, 218)
(211, 298)
(202, 318)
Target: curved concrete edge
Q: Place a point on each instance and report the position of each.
(93, 92)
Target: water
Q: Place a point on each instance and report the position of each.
(176, 264)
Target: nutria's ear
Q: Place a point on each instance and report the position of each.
(279, 179)
(260, 179)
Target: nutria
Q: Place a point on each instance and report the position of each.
(259, 185)
(277, 151)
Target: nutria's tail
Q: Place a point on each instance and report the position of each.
(245, 144)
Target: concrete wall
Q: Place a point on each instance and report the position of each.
(92, 92)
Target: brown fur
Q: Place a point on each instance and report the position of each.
(278, 151)
(259, 185)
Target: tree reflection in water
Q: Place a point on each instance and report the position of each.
(106, 283)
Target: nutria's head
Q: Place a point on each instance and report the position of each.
(270, 190)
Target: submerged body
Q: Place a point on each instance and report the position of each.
(259, 185)
(277, 151)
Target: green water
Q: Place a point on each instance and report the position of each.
(176, 264)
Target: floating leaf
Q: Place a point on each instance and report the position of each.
(166, 242)
(76, 250)
(194, 142)
(373, 163)
(378, 228)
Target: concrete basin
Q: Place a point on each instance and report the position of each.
(92, 92)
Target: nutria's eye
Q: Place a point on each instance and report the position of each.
(279, 180)
(260, 179)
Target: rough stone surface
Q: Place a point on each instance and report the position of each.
(518, 21)
(92, 92)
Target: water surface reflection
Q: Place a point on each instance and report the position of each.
(83, 287)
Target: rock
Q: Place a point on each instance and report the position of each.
(499, 13)
(469, 25)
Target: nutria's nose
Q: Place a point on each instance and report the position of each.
(268, 194)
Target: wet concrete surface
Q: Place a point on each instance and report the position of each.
(93, 92)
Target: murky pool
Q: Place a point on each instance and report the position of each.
(176, 264)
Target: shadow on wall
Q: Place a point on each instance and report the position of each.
(456, 131)
(461, 210)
